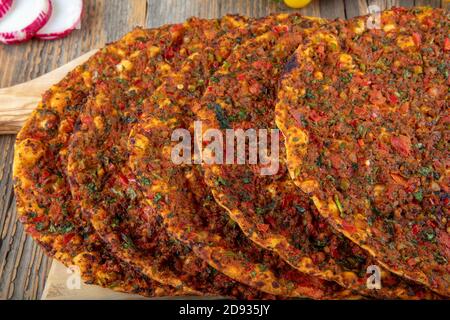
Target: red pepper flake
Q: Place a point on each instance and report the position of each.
(271, 221)
(322, 225)
(348, 227)
(400, 180)
(415, 229)
(393, 99)
(376, 97)
(445, 119)
(361, 81)
(87, 120)
(353, 122)
(90, 150)
(68, 237)
(404, 108)
(316, 116)
(335, 253)
(429, 22)
(417, 39)
(360, 111)
(411, 262)
(113, 61)
(402, 144)
(176, 28)
(32, 231)
(255, 88)
(45, 177)
(336, 161)
(141, 45)
(263, 227)
(444, 239)
(287, 200)
(122, 105)
(280, 29)
(383, 148)
(321, 50)
(361, 142)
(431, 223)
(260, 64)
(123, 179)
(169, 53)
(38, 219)
(447, 44)
(69, 127)
(45, 174)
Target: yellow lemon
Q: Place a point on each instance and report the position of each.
(296, 4)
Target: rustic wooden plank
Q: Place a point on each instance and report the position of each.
(23, 266)
(332, 9)
(175, 11)
(354, 8)
(406, 3)
(431, 3)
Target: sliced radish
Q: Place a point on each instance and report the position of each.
(5, 5)
(65, 18)
(24, 19)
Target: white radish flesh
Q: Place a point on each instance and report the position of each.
(5, 5)
(24, 19)
(65, 18)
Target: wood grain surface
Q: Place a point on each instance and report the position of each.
(23, 266)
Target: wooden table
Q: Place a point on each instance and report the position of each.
(23, 266)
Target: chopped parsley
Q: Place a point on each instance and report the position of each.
(157, 197)
(418, 195)
(146, 181)
(338, 204)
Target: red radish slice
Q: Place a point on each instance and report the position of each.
(5, 5)
(65, 18)
(24, 19)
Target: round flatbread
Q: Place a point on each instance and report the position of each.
(186, 204)
(364, 109)
(101, 179)
(266, 206)
(44, 204)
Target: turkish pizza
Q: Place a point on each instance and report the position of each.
(365, 115)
